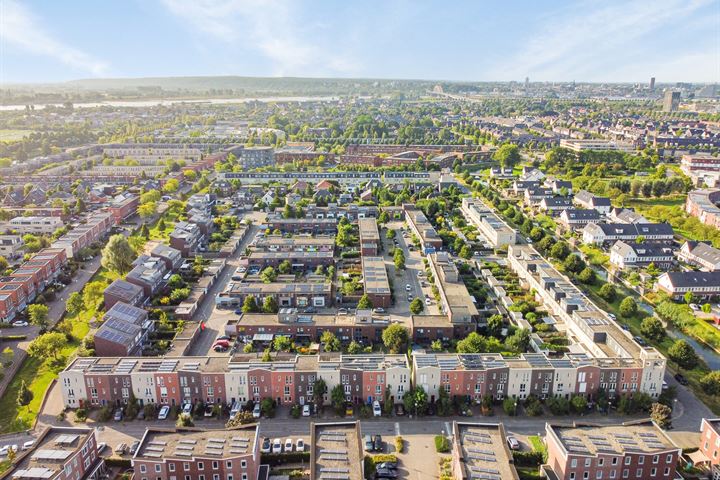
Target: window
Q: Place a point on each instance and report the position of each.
(612, 473)
(572, 475)
(641, 460)
(201, 477)
(599, 474)
(228, 464)
(244, 476)
(669, 458)
(614, 461)
(216, 476)
(626, 473)
(573, 463)
(587, 462)
(243, 463)
(656, 458)
(201, 466)
(653, 472)
(158, 468)
(143, 469)
(627, 460)
(638, 473)
(601, 461)
(667, 471)
(586, 475)
(215, 464)
(171, 467)
(229, 477)
(186, 467)
(187, 477)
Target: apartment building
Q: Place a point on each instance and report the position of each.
(573, 219)
(709, 448)
(336, 451)
(299, 260)
(702, 204)
(585, 145)
(314, 226)
(625, 215)
(123, 291)
(149, 274)
(274, 243)
(638, 450)
(555, 205)
(369, 236)
(172, 257)
(59, 453)
(691, 164)
(11, 246)
(96, 227)
(607, 233)
(375, 281)
(123, 206)
(493, 228)
(701, 255)
(633, 254)
(198, 454)
(419, 225)
(186, 237)
(34, 225)
(702, 285)
(630, 367)
(480, 451)
(288, 379)
(589, 200)
(124, 331)
(455, 300)
(286, 294)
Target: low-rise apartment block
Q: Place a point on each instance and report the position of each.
(186, 237)
(480, 451)
(123, 291)
(124, 206)
(299, 260)
(173, 258)
(336, 451)
(455, 300)
(589, 200)
(198, 454)
(691, 164)
(274, 243)
(149, 274)
(633, 254)
(702, 285)
(286, 294)
(34, 225)
(639, 450)
(419, 225)
(701, 255)
(315, 226)
(493, 228)
(96, 227)
(709, 445)
(609, 233)
(11, 246)
(702, 204)
(124, 331)
(375, 281)
(573, 219)
(369, 236)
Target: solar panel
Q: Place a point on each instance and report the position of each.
(182, 453)
(152, 455)
(154, 449)
(188, 442)
(334, 470)
(480, 450)
(238, 451)
(483, 458)
(483, 470)
(328, 456)
(343, 451)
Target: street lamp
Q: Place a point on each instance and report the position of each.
(515, 409)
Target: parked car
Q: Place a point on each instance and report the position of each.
(399, 410)
(377, 443)
(681, 379)
(342, 311)
(236, 407)
(377, 411)
(256, 411)
(187, 408)
(300, 445)
(379, 310)
(311, 310)
(224, 337)
(428, 301)
(277, 446)
(640, 341)
(385, 472)
(349, 410)
(121, 448)
(288, 445)
(164, 412)
(694, 307)
(408, 287)
(141, 414)
(612, 316)
(20, 323)
(420, 274)
(224, 343)
(100, 447)
(389, 465)
(29, 444)
(118, 415)
(134, 447)
(220, 348)
(513, 443)
(208, 411)
(238, 311)
(266, 446)
(306, 410)
(369, 445)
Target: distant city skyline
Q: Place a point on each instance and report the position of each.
(590, 41)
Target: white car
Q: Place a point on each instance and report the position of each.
(256, 411)
(408, 287)
(428, 301)
(235, 409)
(187, 408)
(164, 412)
(377, 411)
(277, 446)
(288, 445)
(300, 445)
(513, 443)
(306, 410)
(20, 323)
(28, 445)
(694, 307)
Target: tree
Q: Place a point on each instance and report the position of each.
(266, 356)
(93, 294)
(184, 420)
(399, 259)
(3, 263)
(270, 305)
(171, 186)
(573, 263)
(147, 210)
(250, 305)
(578, 403)
(365, 302)
(330, 341)
(38, 315)
(145, 231)
(285, 267)
(268, 275)
(354, 348)
(319, 391)
(337, 398)
(683, 354)
(536, 234)
(560, 250)
(24, 396)
(706, 308)
(74, 304)
(416, 400)
(508, 155)
(465, 252)
(384, 217)
(519, 341)
(510, 406)
(652, 328)
(608, 292)
(118, 255)
(396, 338)
(689, 297)
(436, 346)
(628, 307)
(47, 345)
(587, 276)
(473, 343)
(444, 405)
(161, 225)
(416, 306)
(281, 343)
(176, 281)
(710, 383)
(661, 414)
(494, 325)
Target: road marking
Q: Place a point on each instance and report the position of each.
(447, 427)
(397, 429)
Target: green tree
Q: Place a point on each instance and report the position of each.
(74, 304)
(436, 346)
(510, 406)
(473, 343)
(365, 303)
(266, 356)
(399, 259)
(396, 338)
(281, 343)
(710, 383)
(508, 155)
(285, 267)
(250, 305)
(608, 293)
(161, 225)
(573, 263)
(628, 307)
(661, 414)
(337, 398)
(145, 232)
(319, 391)
(176, 281)
(560, 250)
(587, 276)
(24, 396)
(270, 305)
(519, 341)
(268, 275)
(354, 348)
(93, 294)
(465, 252)
(494, 325)
(47, 346)
(689, 298)
(416, 400)
(330, 341)
(384, 217)
(416, 306)
(578, 403)
(652, 328)
(706, 308)
(683, 354)
(118, 256)
(38, 315)
(536, 234)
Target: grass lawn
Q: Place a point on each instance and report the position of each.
(536, 443)
(595, 256)
(644, 204)
(10, 135)
(528, 473)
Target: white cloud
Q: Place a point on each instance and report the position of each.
(20, 28)
(269, 27)
(602, 42)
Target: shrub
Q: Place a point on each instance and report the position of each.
(274, 459)
(399, 444)
(510, 406)
(81, 414)
(295, 411)
(527, 459)
(442, 445)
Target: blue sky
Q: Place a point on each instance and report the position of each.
(471, 40)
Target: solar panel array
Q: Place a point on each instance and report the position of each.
(53, 455)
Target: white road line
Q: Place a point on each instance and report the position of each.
(397, 429)
(447, 427)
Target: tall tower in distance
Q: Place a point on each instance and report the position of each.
(527, 83)
(671, 100)
(652, 84)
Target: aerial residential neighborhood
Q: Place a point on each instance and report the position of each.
(348, 241)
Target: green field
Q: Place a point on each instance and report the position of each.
(8, 135)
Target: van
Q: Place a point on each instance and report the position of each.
(28, 445)
(256, 411)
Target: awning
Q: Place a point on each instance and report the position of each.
(263, 337)
(698, 458)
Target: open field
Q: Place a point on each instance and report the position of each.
(9, 135)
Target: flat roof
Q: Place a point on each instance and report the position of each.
(52, 449)
(184, 444)
(484, 452)
(631, 437)
(375, 276)
(368, 230)
(290, 255)
(336, 451)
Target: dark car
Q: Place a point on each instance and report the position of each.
(431, 409)
(640, 341)
(681, 379)
(311, 310)
(377, 443)
(399, 410)
(387, 465)
(238, 311)
(223, 337)
(385, 473)
(134, 447)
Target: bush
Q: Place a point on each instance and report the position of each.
(558, 405)
(510, 406)
(683, 354)
(628, 307)
(80, 414)
(274, 459)
(295, 411)
(399, 444)
(527, 459)
(442, 445)
(710, 383)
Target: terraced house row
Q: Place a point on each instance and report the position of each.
(288, 379)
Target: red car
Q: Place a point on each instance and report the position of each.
(222, 343)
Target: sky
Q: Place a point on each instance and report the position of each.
(43, 41)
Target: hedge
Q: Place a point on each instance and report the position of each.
(274, 459)
(442, 445)
(528, 459)
(13, 337)
(118, 462)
